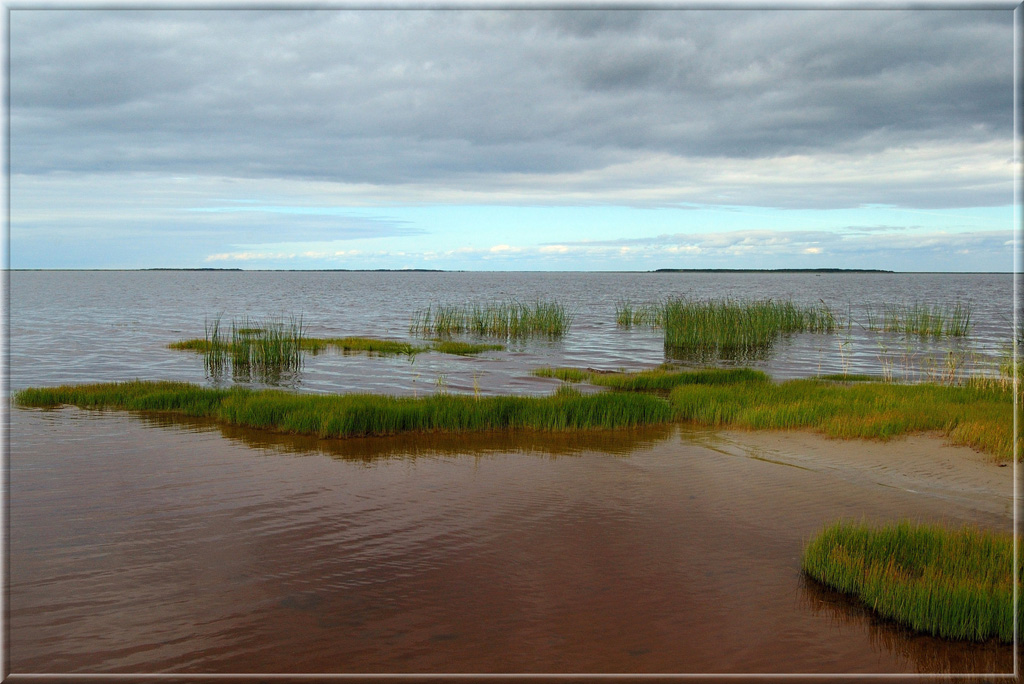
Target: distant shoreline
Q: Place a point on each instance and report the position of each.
(774, 270)
(431, 270)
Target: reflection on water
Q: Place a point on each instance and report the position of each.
(724, 359)
(432, 444)
(929, 654)
(178, 546)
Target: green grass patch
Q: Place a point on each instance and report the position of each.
(975, 414)
(951, 584)
(504, 320)
(353, 415)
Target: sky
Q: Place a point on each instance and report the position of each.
(529, 139)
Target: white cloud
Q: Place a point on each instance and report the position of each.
(253, 256)
(695, 251)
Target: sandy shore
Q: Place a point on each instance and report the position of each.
(919, 464)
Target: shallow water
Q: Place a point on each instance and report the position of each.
(142, 545)
(92, 326)
(150, 544)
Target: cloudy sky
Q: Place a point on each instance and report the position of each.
(512, 140)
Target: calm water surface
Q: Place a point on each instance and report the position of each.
(69, 326)
(142, 544)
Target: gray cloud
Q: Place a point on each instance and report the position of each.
(475, 100)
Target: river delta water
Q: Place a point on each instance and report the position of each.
(144, 544)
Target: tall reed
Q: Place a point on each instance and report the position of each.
(505, 320)
(921, 319)
(737, 328)
(264, 349)
(215, 348)
(628, 315)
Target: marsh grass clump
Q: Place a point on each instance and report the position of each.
(261, 349)
(354, 415)
(923, 320)
(730, 328)
(266, 347)
(951, 584)
(503, 320)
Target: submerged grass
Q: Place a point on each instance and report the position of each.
(951, 584)
(368, 345)
(353, 415)
(504, 320)
(564, 374)
(464, 348)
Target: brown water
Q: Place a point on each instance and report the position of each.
(143, 545)
(139, 544)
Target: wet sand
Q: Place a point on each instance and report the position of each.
(153, 545)
(925, 465)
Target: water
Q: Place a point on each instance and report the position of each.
(153, 545)
(100, 326)
(150, 544)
